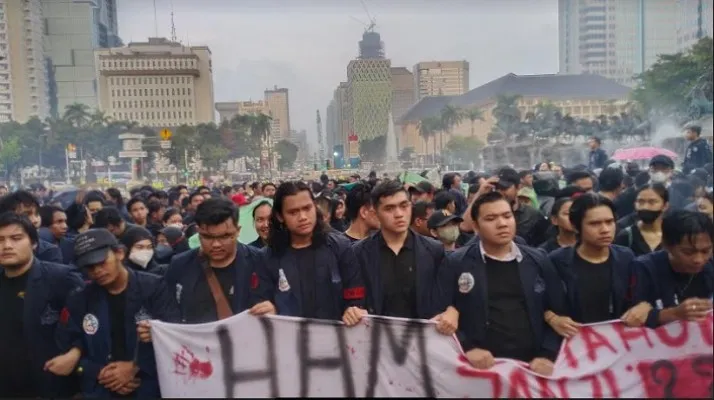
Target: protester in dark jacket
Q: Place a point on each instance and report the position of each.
(307, 271)
(214, 282)
(598, 156)
(678, 282)
(699, 152)
(113, 359)
(140, 254)
(32, 294)
(501, 291)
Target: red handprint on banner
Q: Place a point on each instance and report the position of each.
(187, 364)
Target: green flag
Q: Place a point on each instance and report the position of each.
(245, 219)
(411, 177)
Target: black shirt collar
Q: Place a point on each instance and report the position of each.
(408, 243)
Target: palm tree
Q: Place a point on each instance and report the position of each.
(260, 129)
(77, 115)
(427, 128)
(99, 119)
(473, 114)
(507, 113)
(450, 117)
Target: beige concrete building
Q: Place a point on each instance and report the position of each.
(581, 96)
(440, 78)
(402, 91)
(226, 110)
(23, 67)
(156, 83)
(278, 103)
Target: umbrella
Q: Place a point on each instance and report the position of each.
(641, 153)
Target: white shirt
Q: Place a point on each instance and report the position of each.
(514, 254)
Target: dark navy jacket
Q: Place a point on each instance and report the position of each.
(146, 298)
(428, 255)
(655, 283)
(187, 268)
(66, 244)
(597, 159)
(699, 154)
(48, 286)
(542, 288)
(620, 297)
(338, 285)
(48, 252)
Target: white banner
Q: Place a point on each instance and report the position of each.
(245, 356)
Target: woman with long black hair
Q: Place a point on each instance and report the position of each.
(645, 235)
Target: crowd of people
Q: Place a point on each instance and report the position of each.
(511, 265)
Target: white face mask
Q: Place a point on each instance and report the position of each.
(178, 225)
(141, 257)
(448, 234)
(659, 177)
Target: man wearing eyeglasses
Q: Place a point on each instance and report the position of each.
(213, 282)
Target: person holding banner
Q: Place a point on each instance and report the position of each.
(501, 291)
(213, 282)
(307, 271)
(595, 272)
(399, 265)
(100, 320)
(678, 282)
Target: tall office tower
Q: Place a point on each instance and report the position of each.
(694, 21)
(278, 103)
(156, 83)
(23, 66)
(617, 39)
(74, 29)
(441, 78)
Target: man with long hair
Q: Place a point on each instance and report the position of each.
(307, 272)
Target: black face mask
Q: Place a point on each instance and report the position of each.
(648, 216)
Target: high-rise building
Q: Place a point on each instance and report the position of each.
(617, 39)
(23, 66)
(278, 103)
(441, 78)
(336, 124)
(694, 21)
(73, 30)
(402, 91)
(369, 89)
(369, 92)
(157, 83)
(299, 139)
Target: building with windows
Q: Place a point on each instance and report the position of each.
(23, 66)
(278, 102)
(336, 125)
(441, 78)
(156, 83)
(694, 21)
(402, 91)
(73, 30)
(617, 39)
(581, 96)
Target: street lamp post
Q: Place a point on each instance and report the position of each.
(46, 131)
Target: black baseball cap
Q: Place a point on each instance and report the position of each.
(440, 218)
(508, 177)
(423, 187)
(90, 247)
(663, 160)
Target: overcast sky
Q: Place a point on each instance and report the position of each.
(306, 45)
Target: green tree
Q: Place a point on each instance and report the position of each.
(668, 84)
(450, 117)
(463, 149)
(428, 127)
(507, 115)
(288, 152)
(473, 114)
(77, 115)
